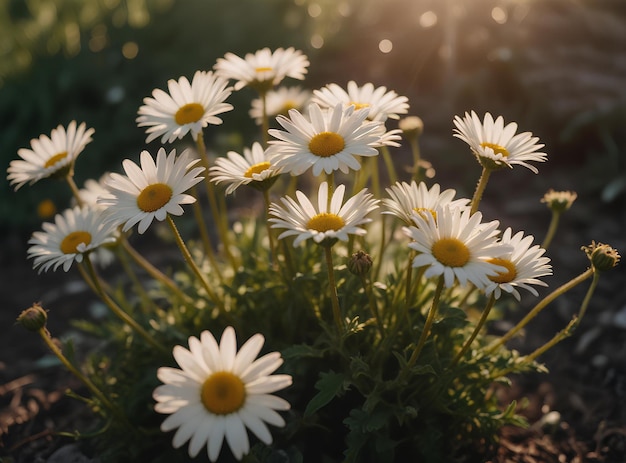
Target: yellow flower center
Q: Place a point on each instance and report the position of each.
(326, 144)
(451, 252)
(424, 211)
(289, 104)
(54, 159)
(191, 112)
(498, 149)
(154, 197)
(358, 105)
(503, 277)
(263, 69)
(256, 169)
(46, 208)
(325, 221)
(71, 241)
(223, 393)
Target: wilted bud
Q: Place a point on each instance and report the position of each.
(34, 318)
(360, 263)
(411, 126)
(559, 201)
(602, 256)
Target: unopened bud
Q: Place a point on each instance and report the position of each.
(602, 256)
(34, 318)
(411, 126)
(559, 201)
(360, 263)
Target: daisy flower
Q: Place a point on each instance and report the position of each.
(456, 245)
(327, 140)
(524, 265)
(559, 201)
(49, 156)
(152, 190)
(380, 103)
(73, 234)
(408, 199)
(187, 107)
(253, 168)
(218, 392)
(279, 102)
(263, 69)
(496, 145)
(92, 190)
(328, 221)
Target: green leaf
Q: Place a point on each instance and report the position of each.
(329, 385)
(302, 350)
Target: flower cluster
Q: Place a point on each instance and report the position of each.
(404, 325)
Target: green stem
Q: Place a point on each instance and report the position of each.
(270, 235)
(219, 217)
(194, 267)
(367, 288)
(391, 170)
(477, 328)
(554, 224)
(117, 310)
(427, 325)
(480, 189)
(204, 234)
(538, 308)
(333, 287)
(415, 150)
(74, 188)
(45, 335)
(265, 124)
(592, 288)
(152, 270)
(145, 299)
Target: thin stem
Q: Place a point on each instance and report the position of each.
(45, 335)
(409, 278)
(592, 288)
(367, 288)
(270, 235)
(194, 267)
(333, 287)
(152, 270)
(265, 124)
(117, 310)
(538, 308)
(554, 224)
(219, 216)
(415, 150)
(123, 257)
(204, 234)
(391, 170)
(477, 328)
(427, 325)
(75, 191)
(480, 189)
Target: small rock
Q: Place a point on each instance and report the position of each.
(619, 319)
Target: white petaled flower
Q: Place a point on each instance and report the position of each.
(92, 190)
(279, 102)
(327, 140)
(151, 191)
(218, 392)
(49, 156)
(188, 107)
(408, 199)
(330, 220)
(73, 234)
(524, 265)
(253, 168)
(263, 69)
(456, 246)
(380, 103)
(497, 145)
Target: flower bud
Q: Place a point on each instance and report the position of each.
(559, 201)
(34, 318)
(411, 126)
(360, 263)
(602, 256)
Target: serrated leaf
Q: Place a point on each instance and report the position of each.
(329, 386)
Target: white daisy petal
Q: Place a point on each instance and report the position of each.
(214, 397)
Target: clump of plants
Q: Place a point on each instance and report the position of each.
(326, 306)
